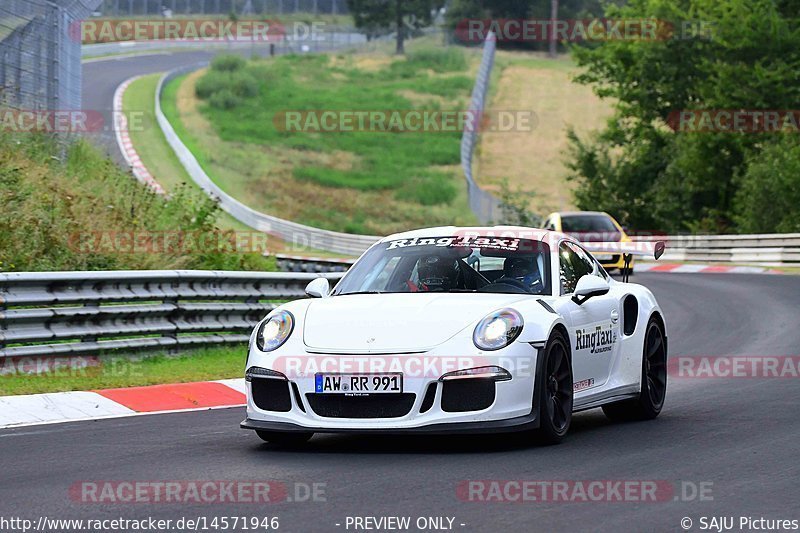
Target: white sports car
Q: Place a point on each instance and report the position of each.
(459, 330)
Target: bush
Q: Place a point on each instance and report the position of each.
(226, 63)
(225, 90)
(224, 99)
(244, 84)
(768, 199)
(212, 82)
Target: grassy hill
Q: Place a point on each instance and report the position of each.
(353, 181)
(534, 160)
(70, 208)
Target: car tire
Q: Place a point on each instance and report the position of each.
(654, 380)
(284, 439)
(555, 391)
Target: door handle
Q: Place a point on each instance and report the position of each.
(614, 316)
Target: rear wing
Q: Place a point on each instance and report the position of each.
(639, 248)
(628, 250)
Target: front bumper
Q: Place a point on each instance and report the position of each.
(508, 406)
(521, 423)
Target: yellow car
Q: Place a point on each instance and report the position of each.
(592, 226)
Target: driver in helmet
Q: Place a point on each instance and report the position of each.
(526, 271)
(436, 274)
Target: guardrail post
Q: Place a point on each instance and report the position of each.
(96, 307)
(3, 325)
(173, 315)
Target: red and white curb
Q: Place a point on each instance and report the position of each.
(701, 269)
(55, 407)
(132, 158)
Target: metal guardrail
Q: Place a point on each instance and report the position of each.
(69, 313)
(765, 250)
(129, 8)
(297, 263)
(65, 313)
(485, 206)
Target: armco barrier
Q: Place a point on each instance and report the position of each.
(67, 313)
(485, 206)
(774, 249)
(762, 250)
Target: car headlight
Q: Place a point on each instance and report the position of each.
(498, 330)
(274, 331)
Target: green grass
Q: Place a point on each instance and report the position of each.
(62, 205)
(115, 371)
(352, 181)
(386, 160)
(159, 158)
(151, 145)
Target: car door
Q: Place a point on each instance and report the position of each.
(594, 325)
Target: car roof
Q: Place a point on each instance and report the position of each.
(536, 234)
(573, 213)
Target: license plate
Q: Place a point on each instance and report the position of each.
(359, 383)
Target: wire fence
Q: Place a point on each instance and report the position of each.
(116, 8)
(40, 64)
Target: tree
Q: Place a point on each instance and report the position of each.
(401, 15)
(745, 57)
(458, 11)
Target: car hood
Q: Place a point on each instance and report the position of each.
(405, 322)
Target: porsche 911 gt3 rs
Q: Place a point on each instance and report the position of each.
(459, 330)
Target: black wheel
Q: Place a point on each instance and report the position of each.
(555, 391)
(654, 380)
(284, 439)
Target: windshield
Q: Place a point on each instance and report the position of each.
(594, 227)
(451, 264)
(579, 223)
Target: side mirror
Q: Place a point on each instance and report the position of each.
(319, 288)
(588, 287)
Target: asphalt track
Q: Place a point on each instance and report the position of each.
(102, 77)
(740, 435)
